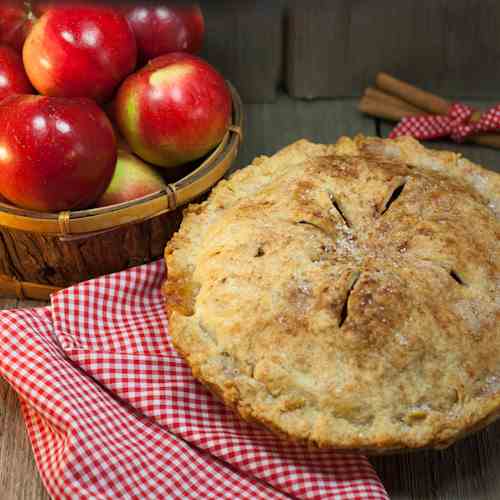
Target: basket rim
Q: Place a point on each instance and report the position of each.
(176, 194)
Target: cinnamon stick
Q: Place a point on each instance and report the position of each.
(416, 97)
(380, 109)
(391, 100)
(413, 95)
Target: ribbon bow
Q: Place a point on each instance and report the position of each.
(458, 124)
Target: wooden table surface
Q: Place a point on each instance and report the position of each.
(468, 470)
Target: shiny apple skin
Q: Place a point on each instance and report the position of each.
(13, 78)
(175, 110)
(16, 21)
(55, 153)
(78, 51)
(161, 29)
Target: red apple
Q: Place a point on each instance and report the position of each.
(176, 109)
(13, 79)
(55, 153)
(16, 21)
(132, 179)
(79, 51)
(42, 6)
(160, 29)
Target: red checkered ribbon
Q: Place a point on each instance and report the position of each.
(456, 124)
(112, 411)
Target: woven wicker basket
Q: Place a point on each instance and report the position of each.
(41, 253)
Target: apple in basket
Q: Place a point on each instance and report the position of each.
(13, 79)
(55, 153)
(16, 21)
(174, 110)
(80, 51)
(132, 179)
(160, 28)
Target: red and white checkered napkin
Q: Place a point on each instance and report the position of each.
(113, 412)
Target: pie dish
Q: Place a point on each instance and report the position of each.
(346, 295)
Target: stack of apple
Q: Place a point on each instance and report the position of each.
(82, 75)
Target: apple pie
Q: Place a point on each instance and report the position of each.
(346, 295)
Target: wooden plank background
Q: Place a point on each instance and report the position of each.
(245, 42)
(335, 47)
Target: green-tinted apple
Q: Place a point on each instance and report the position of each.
(132, 179)
(175, 110)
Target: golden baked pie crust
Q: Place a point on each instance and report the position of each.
(346, 295)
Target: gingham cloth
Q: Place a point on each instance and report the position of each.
(456, 124)
(112, 411)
